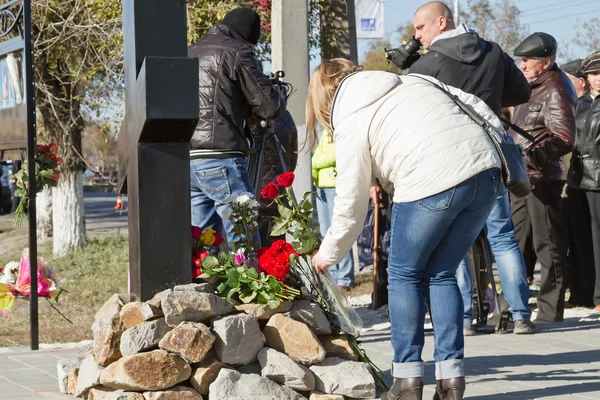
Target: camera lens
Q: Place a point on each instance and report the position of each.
(412, 45)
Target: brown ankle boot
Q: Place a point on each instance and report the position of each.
(405, 389)
(450, 389)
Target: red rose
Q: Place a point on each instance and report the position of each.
(286, 179)
(59, 161)
(56, 177)
(270, 192)
(53, 147)
(218, 240)
(196, 232)
(196, 272)
(53, 157)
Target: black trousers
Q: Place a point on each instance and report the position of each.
(537, 224)
(581, 250)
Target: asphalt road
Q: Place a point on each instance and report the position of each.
(100, 215)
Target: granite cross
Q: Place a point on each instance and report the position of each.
(161, 112)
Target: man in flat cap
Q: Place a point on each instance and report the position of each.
(549, 116)
(576, 75)
(584, 193)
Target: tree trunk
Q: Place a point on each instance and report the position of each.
(43, 203)
(68, 213)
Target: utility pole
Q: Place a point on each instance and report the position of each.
(456, 12)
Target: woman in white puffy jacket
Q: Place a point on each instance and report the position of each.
(445, 172)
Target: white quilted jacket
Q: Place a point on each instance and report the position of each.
(406, 133)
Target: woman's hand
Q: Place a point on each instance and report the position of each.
(319, 263)
(375, 194)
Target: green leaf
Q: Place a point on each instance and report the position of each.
(255, 286)
(232, 292)
(222, 287)
(285, 212)
(252, 273)
(274, 303)
(266, 295)
(223, 258)
(280, 227)
(232, 283)
(210, 262)
(248, 298)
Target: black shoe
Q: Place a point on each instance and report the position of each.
(405, 389)
(450, 389)
(523, 327)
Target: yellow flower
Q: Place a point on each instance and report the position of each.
(208, 237)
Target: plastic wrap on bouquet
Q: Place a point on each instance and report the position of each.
(46, 282)
(350, 321)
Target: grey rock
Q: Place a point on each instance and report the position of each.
(156, 300)
(312, 315)
(231, 385)
(194, 307)
(174, 393)
(89, 376)
(195, 287)
(104, 393)
(282, 369)
(263, 311)
(63, 368)
(252, 368)
(238, 339)
(143, 337)
(348, 378)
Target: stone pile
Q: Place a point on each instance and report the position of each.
(189, 343)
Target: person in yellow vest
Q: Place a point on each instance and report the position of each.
(324, 174)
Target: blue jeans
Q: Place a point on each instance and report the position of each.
(429, 238)
(500, 234)
(216, 182)
(342, 273)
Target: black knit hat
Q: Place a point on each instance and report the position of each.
(244, 21)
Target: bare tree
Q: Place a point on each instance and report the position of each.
(499, 22)
(78, 67)
(587, 36)
(375, 60)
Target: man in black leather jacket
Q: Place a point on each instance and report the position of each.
(232, 89)
(584, 193)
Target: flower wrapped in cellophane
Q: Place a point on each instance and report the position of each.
(47, 285)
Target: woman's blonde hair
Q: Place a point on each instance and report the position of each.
(321, 90)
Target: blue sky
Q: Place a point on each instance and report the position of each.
(556, 17)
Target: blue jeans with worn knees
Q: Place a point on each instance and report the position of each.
(342, 273)
(500, 234)
(429, 238)
(215, 183)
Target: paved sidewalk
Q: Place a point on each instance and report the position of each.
(561, 361)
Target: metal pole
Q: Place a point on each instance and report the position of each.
(31, 155)
(456, 12)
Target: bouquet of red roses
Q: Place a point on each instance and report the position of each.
(202, 242)
(46, 163)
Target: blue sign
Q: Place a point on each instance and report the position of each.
(368, 24)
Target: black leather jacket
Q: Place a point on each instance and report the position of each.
(232, 87)
(584, 172)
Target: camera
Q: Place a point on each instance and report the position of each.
(405, 55)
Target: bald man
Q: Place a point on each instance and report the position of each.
(459, 57)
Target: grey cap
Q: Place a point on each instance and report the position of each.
(539, 44)
(574, 68)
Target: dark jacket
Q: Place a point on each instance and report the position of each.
(550, 117)
(478, 67)
(232, 87)
(585, 162)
